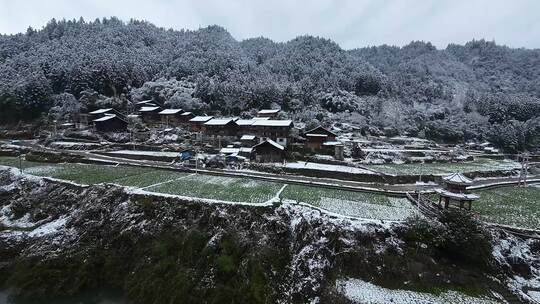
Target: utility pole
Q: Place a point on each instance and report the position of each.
(524, 159)
(20, 163)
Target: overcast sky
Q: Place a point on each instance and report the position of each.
(354, 23)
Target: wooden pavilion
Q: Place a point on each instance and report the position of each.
(456, 185)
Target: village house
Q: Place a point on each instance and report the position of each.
(149, 114)
(196, 124)
(185, 117)
(170, 117)
(244, 126)
(316, 137)
(100, 112)
(146, 103)
(276, 130)
(270, 113)
(232, 151)
(268, 151)
(110, 123)
(220, 127)
(248, 140)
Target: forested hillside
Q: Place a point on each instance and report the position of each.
(480, 90)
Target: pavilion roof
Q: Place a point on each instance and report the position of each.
(458, 179)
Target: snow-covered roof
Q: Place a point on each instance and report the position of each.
(247, 137)
(144, 102)
(332, 143)
(316, 135)
(272, 123)
(105, 118)
(245, 122)
(246, 150)
(229, 150)
(457, 179)
(273, 143)
(456, 195)
(218, 121)
(201, 118)
(186, 114)
(268, 111)
(320, 128)
(170, 111)
(133, 115)
(148, 109)
(261, 118)
(101, 111)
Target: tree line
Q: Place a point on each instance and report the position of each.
(476, 91)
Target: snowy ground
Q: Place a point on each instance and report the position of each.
(514, 249)
(363, 292)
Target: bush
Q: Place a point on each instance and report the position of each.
(456, 236)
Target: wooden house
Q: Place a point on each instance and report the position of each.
(110, 123)
(268, 151)
(146, 103)
(149, 114)
(244, 125)
(221, 127)
(100, 112)
(170, 117)
(271, 113)
(196, 123)
(185, 117)
(248, 140)
(317, 137)
(276, 130)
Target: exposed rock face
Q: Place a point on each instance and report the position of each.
(59, 238)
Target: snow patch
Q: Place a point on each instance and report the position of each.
(363, 292)
(324, 167)
(48, 228)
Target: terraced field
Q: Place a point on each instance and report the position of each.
(155, 180)
(514, 206)
(219, 187)
(357, 204)
(480, 164)
(365, 205)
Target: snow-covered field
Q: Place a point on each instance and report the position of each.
(323, 167)
(513, 206)
(147, 153)
(220, 188)
(354, 204)
(482, 164)
(363, 292)
(398, 210)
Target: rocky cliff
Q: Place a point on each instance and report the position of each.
(59, 239)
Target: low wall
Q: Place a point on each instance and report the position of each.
(52, 157)
(139, 157)
(374, 178)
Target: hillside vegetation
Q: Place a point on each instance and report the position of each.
(480, 90)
